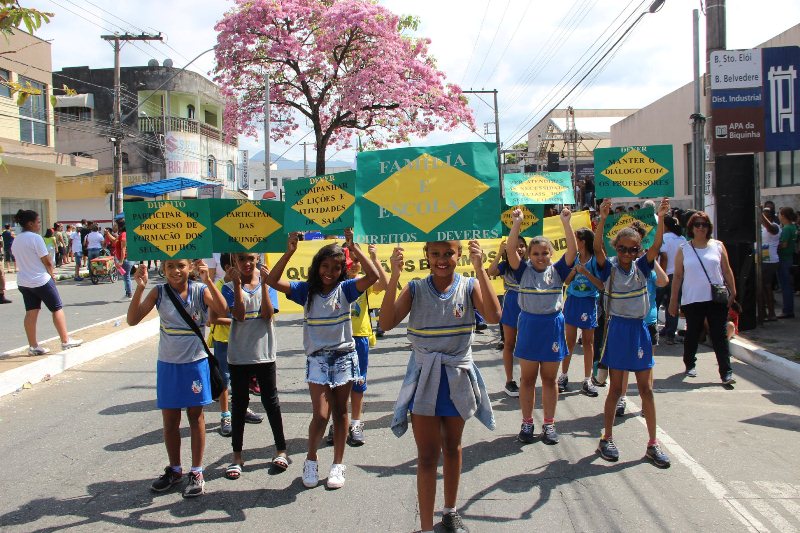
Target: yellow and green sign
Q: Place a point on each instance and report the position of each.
(539, 188)
(432, 193)
(168, 229)
(322, 203)
(532, 222)
(634, 171)
(247, 225)
(645, 218)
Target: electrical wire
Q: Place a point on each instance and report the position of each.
(491, 44)
(510, 40)
(477, 40)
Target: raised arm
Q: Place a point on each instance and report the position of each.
(140, 307)
(677, 282)
(493, 269)
(569, 233)
(662, 280)
(370, 270)
(655, 249)
(212, 297)
(594, 280)
(237, 312)
(274, 279)
(267, 309)
(599, 238)
(483, 296)
(394, 309)
(514, 260)
(383, 280)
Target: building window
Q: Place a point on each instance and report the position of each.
(33, 114)
(190, 112)
(782, 169)
(212, 167)
(231, 173)
(5, 76)
(274, 182)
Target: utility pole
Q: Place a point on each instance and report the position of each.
(305, 159)
(116, 140)
(698, 123)
(715, 40)
(267, 174)
(496, 131)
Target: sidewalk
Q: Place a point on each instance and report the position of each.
(63, 272)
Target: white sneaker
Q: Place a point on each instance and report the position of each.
(71, 343)
(37, 350)
(310, 474)
(336, 476)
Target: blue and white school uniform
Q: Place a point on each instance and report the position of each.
(182, 375)
(540, 330)
(510, 315)
(580, 307)
(331, 357)
(441, 377)
(628, 342)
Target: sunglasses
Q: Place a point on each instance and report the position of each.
(701, 224)
(633, 250)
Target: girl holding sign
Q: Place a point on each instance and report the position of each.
(540, 338)
(331, 358)
(627, 344)
(182, 377)
(442, 386)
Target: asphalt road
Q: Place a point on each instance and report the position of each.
(84, 304)
(82, 449)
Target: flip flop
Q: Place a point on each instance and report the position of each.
(234, 471)
(280, 462)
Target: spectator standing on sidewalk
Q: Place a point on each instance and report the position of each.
(61, 240)
(36, 282)
(50, 244)
(93, 243)
(3, 299)
(770, 238)
(77, 251)
(673, 240)
(8, 257)
(786, 248)
(119, 245)
(84, 228)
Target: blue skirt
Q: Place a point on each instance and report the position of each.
(444, 405)
(182, 385)
(581, 312)
(628, 345)
(541, 337)
(511, 310)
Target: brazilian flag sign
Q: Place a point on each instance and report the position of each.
(532, 223)
(168, 229)
(539, 188)
(616, 222)
(634, 172)
(250, 226)
(434, 193)
(322, 203)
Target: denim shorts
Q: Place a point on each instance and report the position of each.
(332, 368)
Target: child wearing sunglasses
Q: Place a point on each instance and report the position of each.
(627, 345)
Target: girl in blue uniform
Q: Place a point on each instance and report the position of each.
(540, 331)
(442, 387)
(627, 345)
(580, 312)
(331, 358)
(508, 322)
(182, 375)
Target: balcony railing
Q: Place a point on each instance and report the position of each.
(167, 124)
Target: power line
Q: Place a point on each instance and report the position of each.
(511, 39)
(477, 40)
(491, 44)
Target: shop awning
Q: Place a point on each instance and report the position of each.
(158, 188)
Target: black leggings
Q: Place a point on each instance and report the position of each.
(717, 315)
(265, 374)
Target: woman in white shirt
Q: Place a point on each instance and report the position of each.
(699, 264)
(770, 239)
(94, 243)
(36, 282)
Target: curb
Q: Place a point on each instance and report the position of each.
(778, 367)
(12, 285)
(42, 369)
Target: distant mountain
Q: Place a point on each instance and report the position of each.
(288, 164)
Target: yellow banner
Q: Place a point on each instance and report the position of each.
(416, 265)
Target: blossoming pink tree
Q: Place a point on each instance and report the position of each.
(344, 65)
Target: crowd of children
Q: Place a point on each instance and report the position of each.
(442, 386)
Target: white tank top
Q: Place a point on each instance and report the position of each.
(696, 287)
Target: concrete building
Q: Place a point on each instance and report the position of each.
(173, 122)
(666, 121)
(30, 165)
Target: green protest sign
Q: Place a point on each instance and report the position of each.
(431, 193)
(634, 171)
(618, 221)
(168, 229)
(322, 203)
(532, 223)
(539, 188)
(248, 225)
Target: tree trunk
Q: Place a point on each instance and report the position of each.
(320, 157)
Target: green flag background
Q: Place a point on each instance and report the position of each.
(168, 229)
(616, 222)
(322, 203)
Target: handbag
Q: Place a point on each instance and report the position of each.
(719, 293)
(215, 375)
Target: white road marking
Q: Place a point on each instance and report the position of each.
(762, 507)
(784, 493)
(713, 486)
